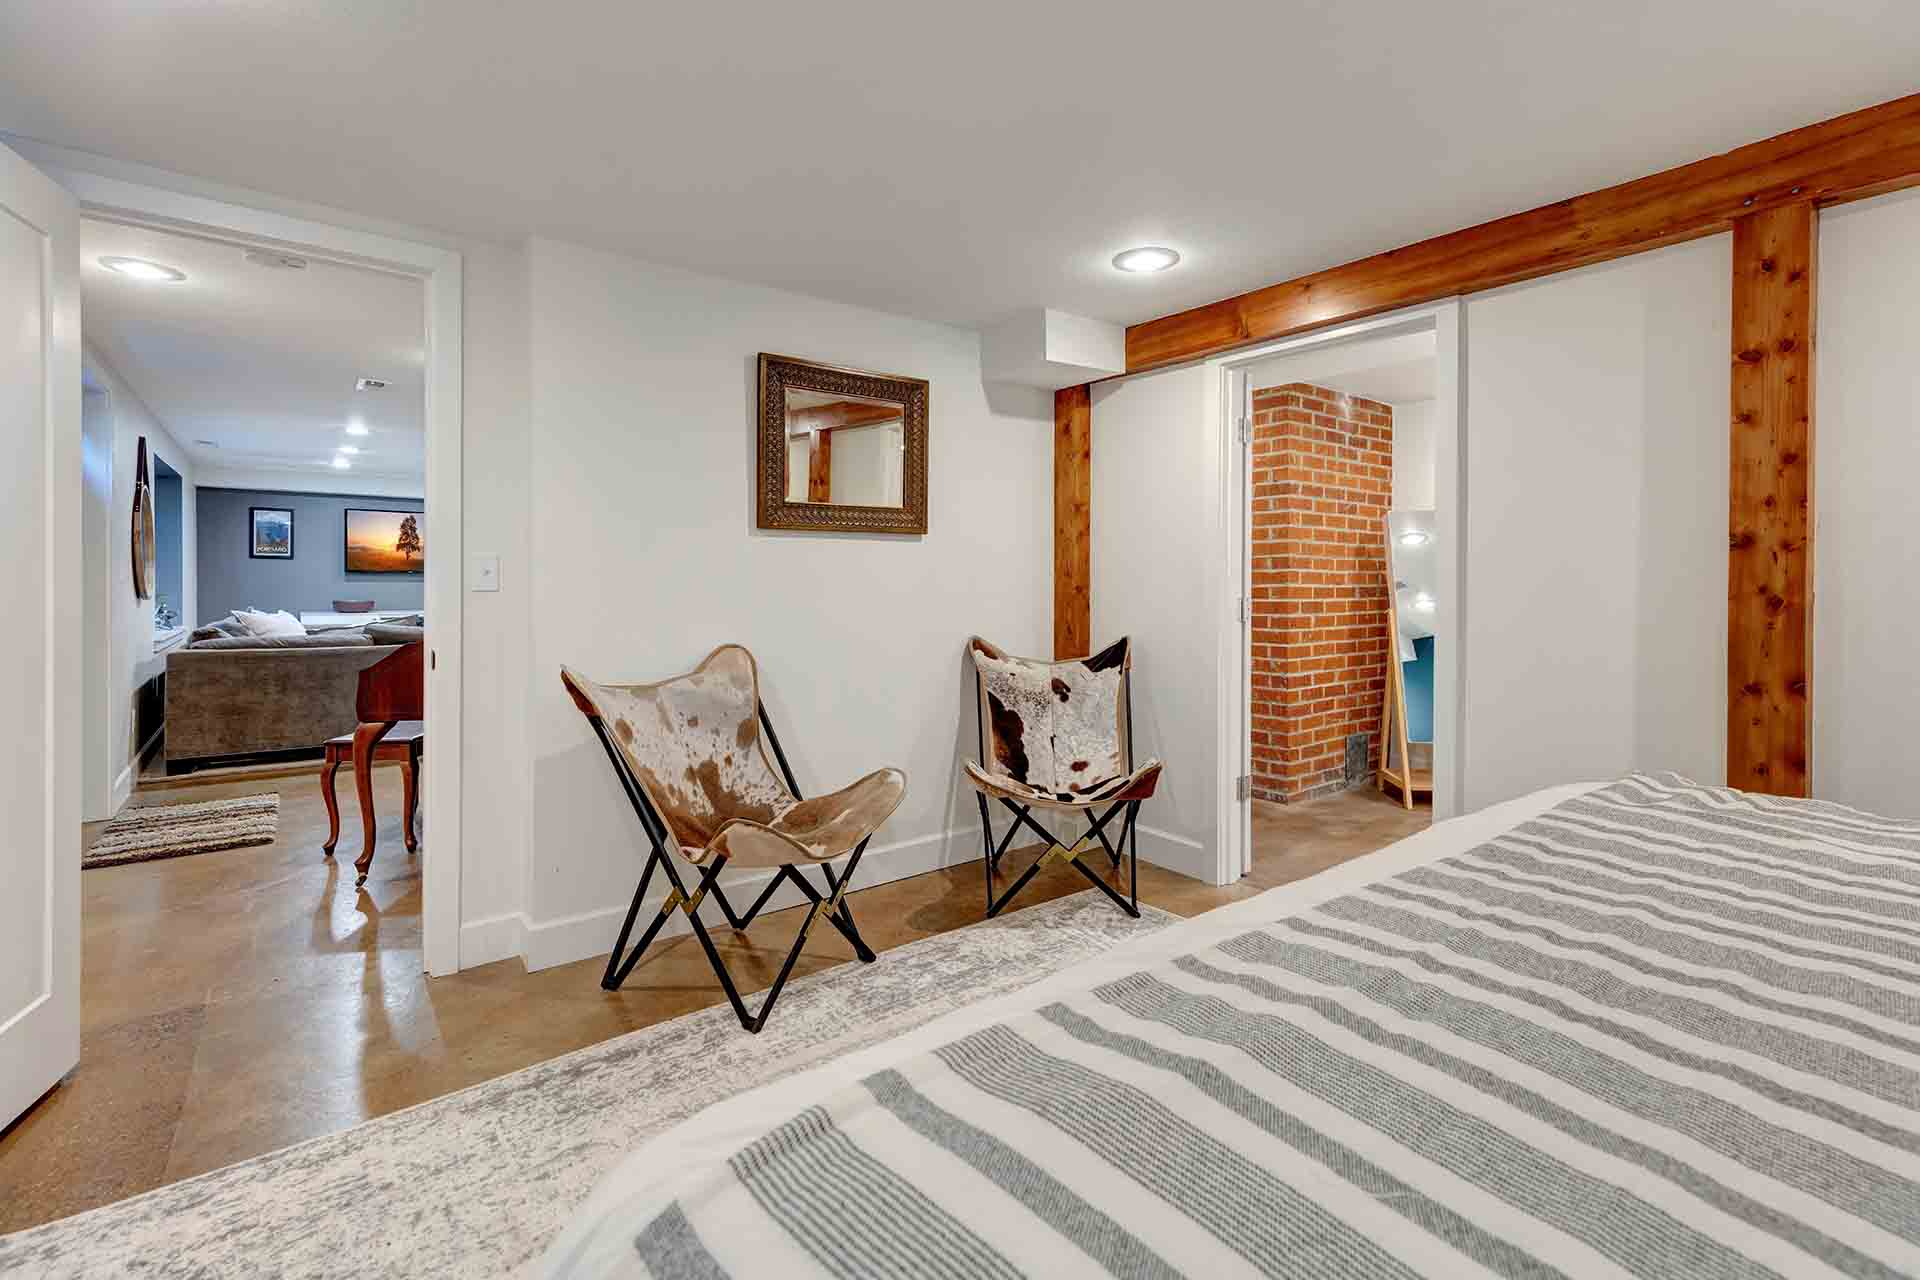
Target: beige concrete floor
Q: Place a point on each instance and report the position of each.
(235, 1002)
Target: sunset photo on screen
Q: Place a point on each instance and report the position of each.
(386, 541)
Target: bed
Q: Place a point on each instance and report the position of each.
(1642, 1029)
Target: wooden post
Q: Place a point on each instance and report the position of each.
(1770, 521)
(1072, 530)
(820, 466)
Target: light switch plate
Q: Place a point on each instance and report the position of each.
(483, 573)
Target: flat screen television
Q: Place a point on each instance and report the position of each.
(386, 541)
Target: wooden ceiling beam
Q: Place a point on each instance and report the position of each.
(1861, 154)
(841, 413)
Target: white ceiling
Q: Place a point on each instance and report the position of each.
(261, 362)
(1403, 382)
(958, 162)
(1398, 369)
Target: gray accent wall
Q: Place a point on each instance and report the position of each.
(169, 528)
(316, 576)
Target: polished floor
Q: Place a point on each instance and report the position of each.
(235, 1002)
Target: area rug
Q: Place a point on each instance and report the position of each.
(175, 830)
(476, 1183)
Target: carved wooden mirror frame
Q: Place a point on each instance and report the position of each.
(774, 511)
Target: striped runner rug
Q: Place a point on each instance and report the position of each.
(1660, 1030)
(148, 832)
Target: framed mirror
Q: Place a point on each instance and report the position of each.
(841, 450)
(144, 542)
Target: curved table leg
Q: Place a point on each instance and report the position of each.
(365, 739)
(410, 797)
(331, 767)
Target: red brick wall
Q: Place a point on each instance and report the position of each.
(1322, 483)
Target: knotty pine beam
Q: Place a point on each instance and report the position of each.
(841, 413)
(1861, 154)
(1072, 522)
(820, 468)
(1770, 519)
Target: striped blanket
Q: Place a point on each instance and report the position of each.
(1657, 1030)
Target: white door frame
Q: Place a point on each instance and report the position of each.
(1234, 846)
(439, 271)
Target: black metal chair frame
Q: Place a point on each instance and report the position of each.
(831, 904)
(1129, 837)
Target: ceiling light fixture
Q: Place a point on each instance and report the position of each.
(1415, 538)
(141, 269)
(1423, 602)
(350, 449)
(341, 462)
(356, 428)
(1151, 257)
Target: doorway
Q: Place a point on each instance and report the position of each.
(1344, 469)
(258, 233)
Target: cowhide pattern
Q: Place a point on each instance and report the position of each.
(1053, 726)
(822, 826)
(693, 744)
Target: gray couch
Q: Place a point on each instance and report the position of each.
(234, 695)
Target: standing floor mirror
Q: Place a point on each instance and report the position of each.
(1406, 714)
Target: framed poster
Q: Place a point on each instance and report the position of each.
(270, 530)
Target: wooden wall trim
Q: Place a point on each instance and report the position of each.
(1072, 522)
(1770, 518)
(1864, 153)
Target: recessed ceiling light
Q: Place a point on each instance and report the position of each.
(341, 462)
(349, 449)
(1415, 538)
(356, 428)
(141, 269)
(1150, 257)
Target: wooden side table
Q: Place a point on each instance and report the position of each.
(404, 743)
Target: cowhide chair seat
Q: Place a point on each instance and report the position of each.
(1059, 736)
(692, 755)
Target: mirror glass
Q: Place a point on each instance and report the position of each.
(845, 450)
(1411, 536)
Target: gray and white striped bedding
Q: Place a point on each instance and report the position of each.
(1658, 1030)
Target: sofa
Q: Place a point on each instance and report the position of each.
(234, 695)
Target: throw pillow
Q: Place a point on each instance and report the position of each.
(259, 623)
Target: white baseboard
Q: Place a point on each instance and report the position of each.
(1176, 853)
(495, 938)
(551, 942)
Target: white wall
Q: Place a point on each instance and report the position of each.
(97, 688)
(1866, 700)
(113, 668)
(865, 466)
(1414, 475)
(1157, 548)
(644, 556)
(1596, 551)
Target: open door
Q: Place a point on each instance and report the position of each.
(39, 653)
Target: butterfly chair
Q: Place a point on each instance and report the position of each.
(1058, 736)
(691, 754)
